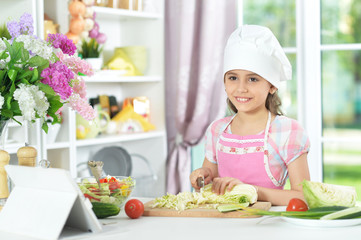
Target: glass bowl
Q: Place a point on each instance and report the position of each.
(114, 189)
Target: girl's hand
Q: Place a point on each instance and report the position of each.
(220, 184)
(200, 172)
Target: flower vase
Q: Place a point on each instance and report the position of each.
(52, 133)
(4, 160)
(3, 132)
(96, 63)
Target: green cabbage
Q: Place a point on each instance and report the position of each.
(242, 193)
(322, 194)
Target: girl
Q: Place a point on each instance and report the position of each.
(257, 145)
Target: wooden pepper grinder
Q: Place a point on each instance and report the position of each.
(27, 156)
(4, 160)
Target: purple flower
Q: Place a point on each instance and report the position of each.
(23, 27)
(58, 77)
(101, 38)
(93, 33)
(26, 24)
(61, 41)
(13, 28)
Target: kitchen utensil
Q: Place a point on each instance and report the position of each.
(200, 183)
(117, 161)
(27, 156)
(96, 167)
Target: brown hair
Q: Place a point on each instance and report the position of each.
(273, 104)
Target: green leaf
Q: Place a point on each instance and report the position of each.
(23, 80)
(55, 117)
(12, 74)
(90, 49)
(37, 61)
(15, 51)
(35, 76)
(4, 55)
(7, 113)
(45, 127)
(55, 105)
(4, 32)
(12, 89)
(8, 98)
(2, 74)
(26, 73)
(15, 108)
(46, 89)
(25, 56)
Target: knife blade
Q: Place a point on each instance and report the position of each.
(200, 183)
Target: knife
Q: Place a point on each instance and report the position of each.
(200, 183)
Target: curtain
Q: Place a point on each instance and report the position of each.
(196, 32)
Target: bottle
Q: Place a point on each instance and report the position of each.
(27, 156)
(4, 189)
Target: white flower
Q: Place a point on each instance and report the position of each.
(31, 99)
(37, 47)
(1, 101)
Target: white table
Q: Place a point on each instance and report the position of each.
(122, 227)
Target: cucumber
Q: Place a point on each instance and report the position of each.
(348, 213)
(327, 209)
(104, 210)
(232, 207)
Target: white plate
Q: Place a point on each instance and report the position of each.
(323, 223)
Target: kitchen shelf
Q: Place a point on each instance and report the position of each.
(106, 139)
(58, 145)
(115, 76)
(12, 148)
(123, 14)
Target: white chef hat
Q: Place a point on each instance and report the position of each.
(256, 49)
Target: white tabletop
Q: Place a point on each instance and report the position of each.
(122, 227)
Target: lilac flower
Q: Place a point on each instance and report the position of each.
(58, 77)
(61, 41)
(76, 64)
(23, 27)
(13, 28)
(31, 101)
(26, 24)
(82, 107)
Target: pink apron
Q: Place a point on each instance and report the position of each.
(246, 158)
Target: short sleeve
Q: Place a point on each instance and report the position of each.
(290, 138)
(210, 150)
(212, 135)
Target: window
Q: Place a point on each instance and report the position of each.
(341, 91)
(324, 47)
(280, 17)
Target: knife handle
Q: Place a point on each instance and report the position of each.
(200, 182)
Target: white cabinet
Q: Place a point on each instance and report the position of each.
(123, 28)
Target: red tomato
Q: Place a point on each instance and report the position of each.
(103, 180)
(114, 185)
(112, 179)
(134, 208)
(297, 204)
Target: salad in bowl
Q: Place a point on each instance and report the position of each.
(110, 197)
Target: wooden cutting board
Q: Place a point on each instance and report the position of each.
(201, 212)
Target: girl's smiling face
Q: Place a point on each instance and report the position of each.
(247, 90)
